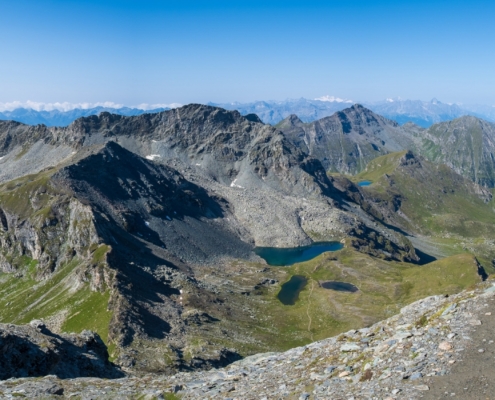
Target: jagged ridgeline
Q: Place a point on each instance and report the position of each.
(143, 229)
(348, 140)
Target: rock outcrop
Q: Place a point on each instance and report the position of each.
(347, 140)
(466, 144)
(33, 351)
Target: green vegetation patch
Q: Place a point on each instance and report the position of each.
(384, 288)
(61, 297)
(435, 202)
(27, 194)
(89, 311)
(379, 167)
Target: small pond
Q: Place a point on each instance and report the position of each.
(364, 183)
(287, 256)
(339, 286)
(289, 293)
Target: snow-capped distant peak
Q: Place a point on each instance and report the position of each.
(333, 99)
(390, 100)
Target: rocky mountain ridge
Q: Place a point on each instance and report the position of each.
(402, 111)
(346, 141)
(63, 118)
(466, 144)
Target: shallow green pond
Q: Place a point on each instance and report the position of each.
(289, 293)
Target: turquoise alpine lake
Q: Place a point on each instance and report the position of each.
(339, 286)
(280, 257)
(364, 183)
(289, 293)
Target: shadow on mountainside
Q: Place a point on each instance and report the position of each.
(66, 356)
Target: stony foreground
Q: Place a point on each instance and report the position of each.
(398, 358)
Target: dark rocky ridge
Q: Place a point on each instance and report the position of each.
(347, 140)
(32, 350)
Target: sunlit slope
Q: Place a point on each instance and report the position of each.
(384, 287)
(432, 200)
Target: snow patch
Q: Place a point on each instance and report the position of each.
(233, 184)
(152, 156)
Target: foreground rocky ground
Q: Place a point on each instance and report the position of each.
(436, 347)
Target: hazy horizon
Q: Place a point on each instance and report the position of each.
(66, 106)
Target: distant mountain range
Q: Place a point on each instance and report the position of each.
(422, 113)
(63, 118)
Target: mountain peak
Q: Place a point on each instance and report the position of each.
(292, 121)
(253, 118)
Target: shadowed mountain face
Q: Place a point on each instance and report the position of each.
(346, 141)
(152, 201)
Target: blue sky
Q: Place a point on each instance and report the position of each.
(151, 51)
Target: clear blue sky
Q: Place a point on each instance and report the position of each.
(135, 51)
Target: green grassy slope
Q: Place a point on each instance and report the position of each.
(63, 297)
(432, 200)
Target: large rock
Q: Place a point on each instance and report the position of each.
(32, 350)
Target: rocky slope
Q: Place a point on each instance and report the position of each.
(347, 140)
(404, 356)
(465, 144)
